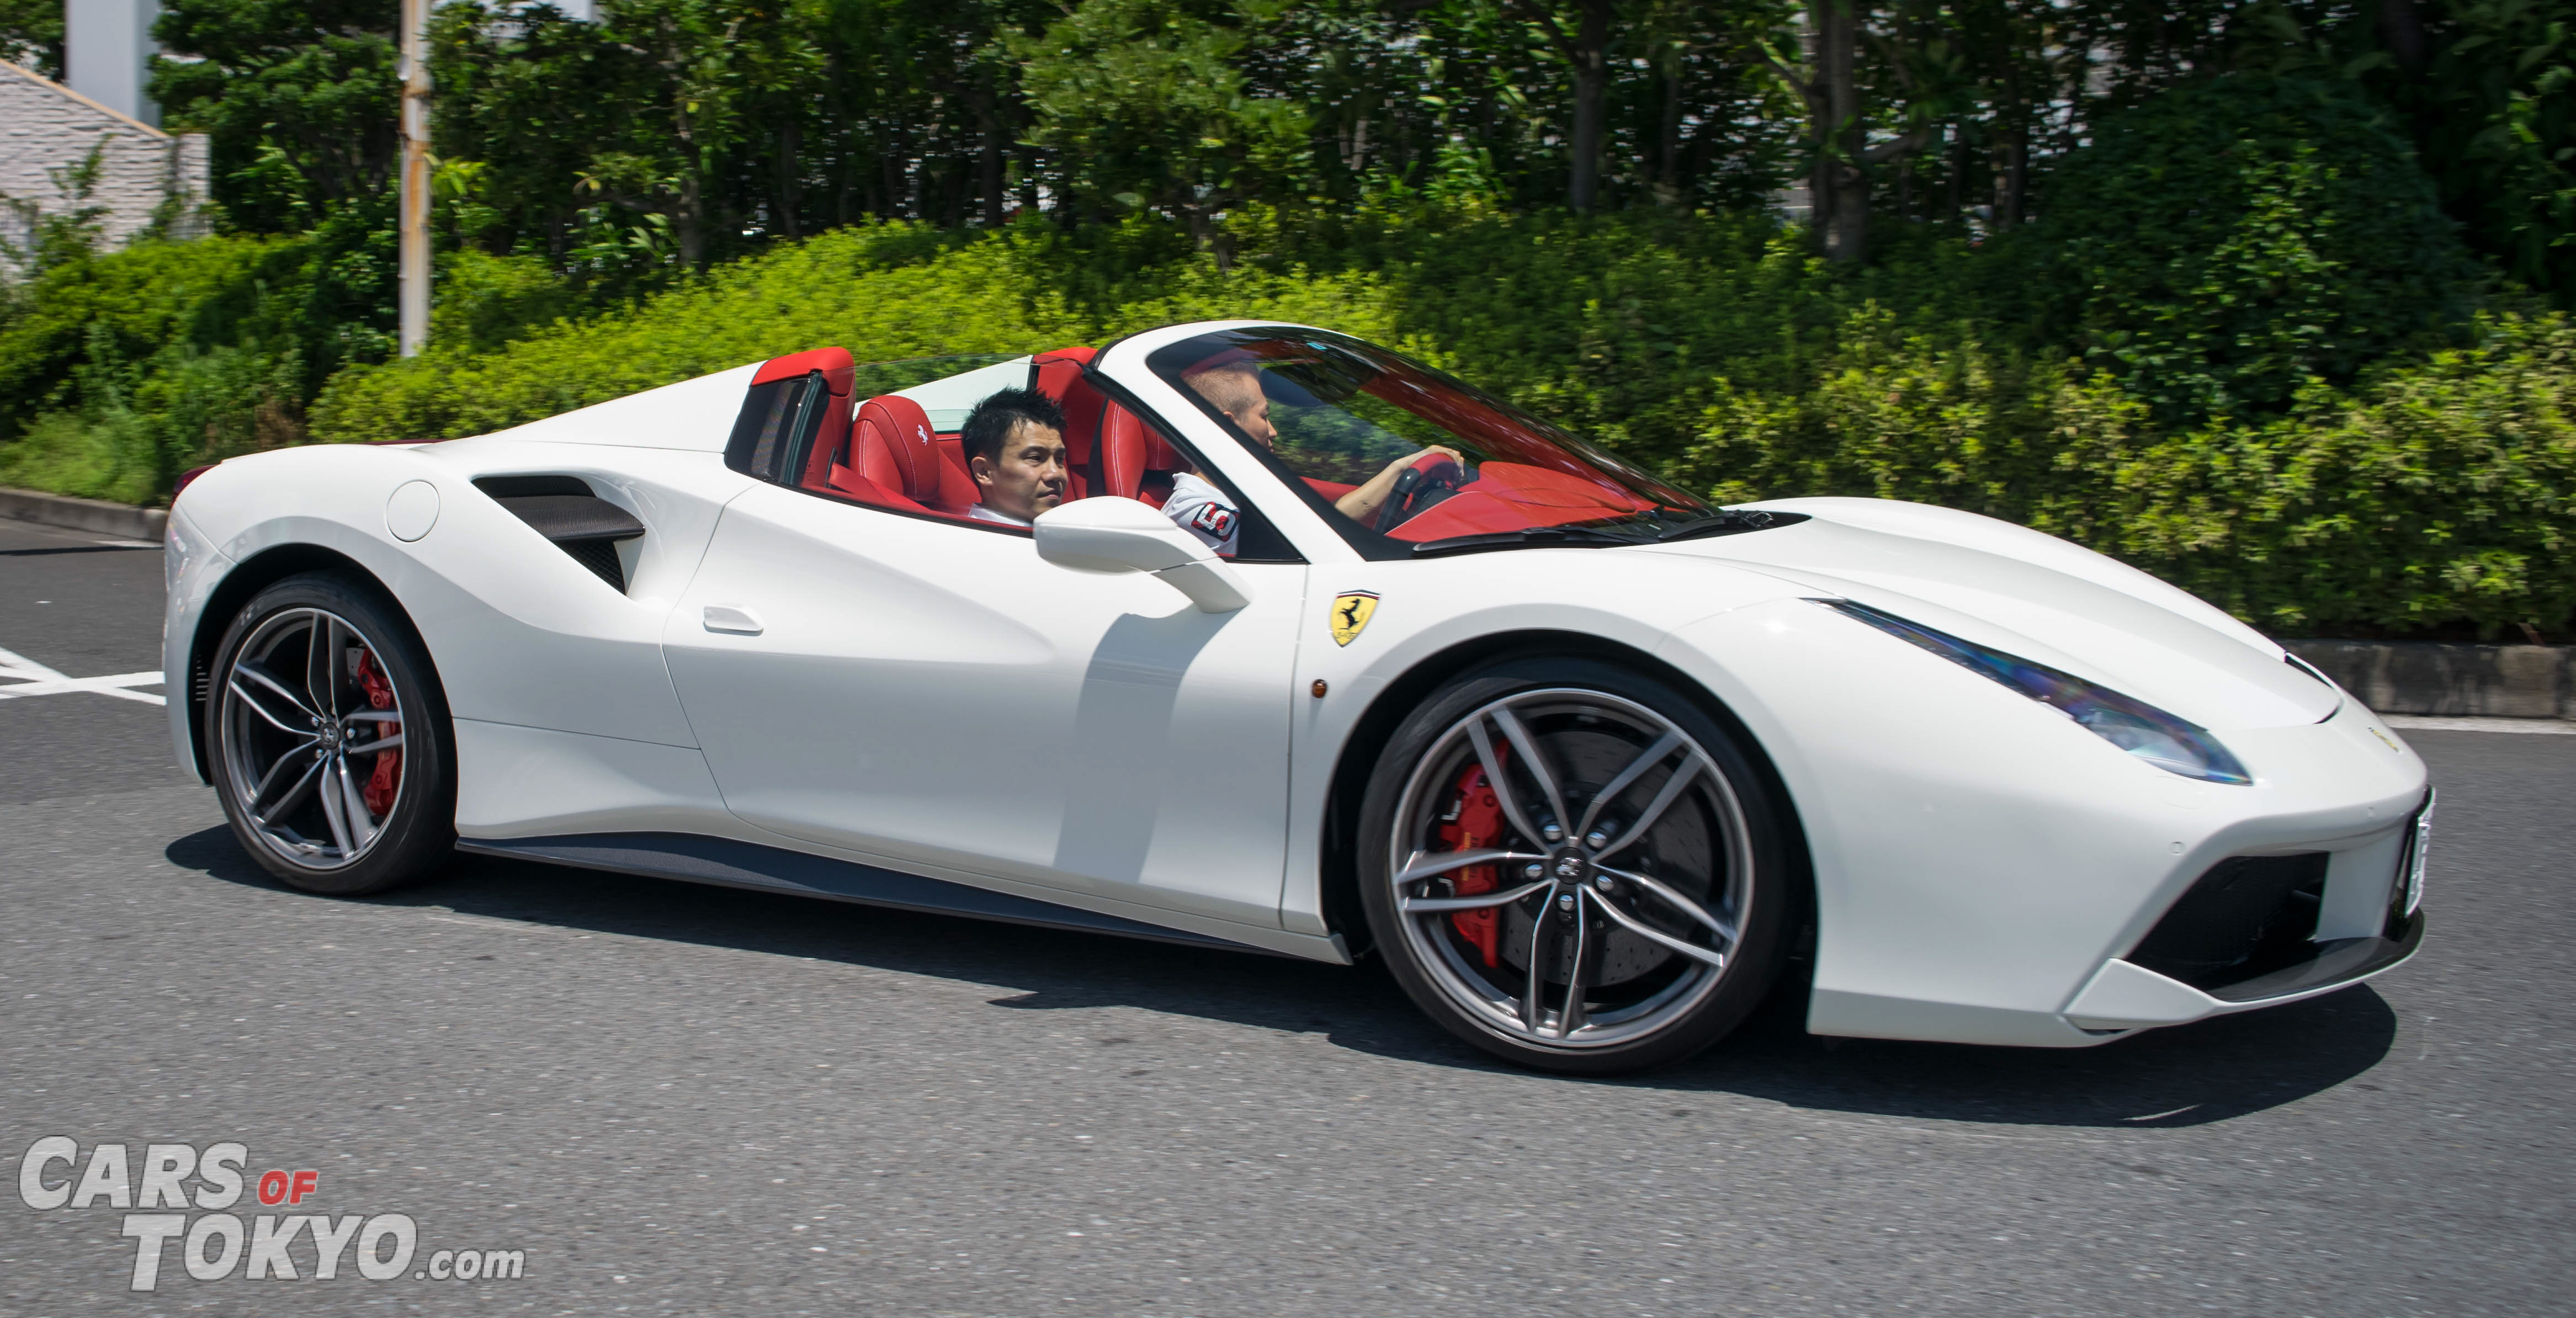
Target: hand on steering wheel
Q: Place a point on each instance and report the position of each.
(1432, 477)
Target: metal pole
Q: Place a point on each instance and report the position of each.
(415, 176)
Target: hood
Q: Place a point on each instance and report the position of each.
(696, 415)
(2035, 596)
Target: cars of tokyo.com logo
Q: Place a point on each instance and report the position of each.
(214, 1245)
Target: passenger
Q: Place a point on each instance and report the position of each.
(1013, 443)
(1234, 388)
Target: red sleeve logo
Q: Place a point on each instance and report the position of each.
(1216, 521)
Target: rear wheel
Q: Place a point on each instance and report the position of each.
(328, 740)
(1574, 867)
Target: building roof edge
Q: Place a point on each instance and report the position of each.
(50, 85)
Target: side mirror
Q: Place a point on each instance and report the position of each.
(1110, 534)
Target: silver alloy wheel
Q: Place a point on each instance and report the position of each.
(302, 736)
(1623, 922)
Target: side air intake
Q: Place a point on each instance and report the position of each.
(578, 522)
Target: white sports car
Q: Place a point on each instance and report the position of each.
(1589, 761)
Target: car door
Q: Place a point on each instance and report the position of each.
(933, 693)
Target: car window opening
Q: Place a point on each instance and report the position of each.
(903, 450)
(1412, 460)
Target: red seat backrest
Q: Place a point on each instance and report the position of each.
(893, 448)
(1059, 376)
(1129, 449)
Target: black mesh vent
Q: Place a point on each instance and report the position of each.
(2248, 916)
(600, 556)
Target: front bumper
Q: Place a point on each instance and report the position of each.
(2259, 931)
(1982, 864)
(2125, 996)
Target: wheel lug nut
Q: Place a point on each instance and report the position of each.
(1565, 901)
(1551, 832)
(1533, 870)
(1596, 839)
(1601, 881)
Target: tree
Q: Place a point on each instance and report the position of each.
(31, 35)
(1145, 103)
(1827, 80)
(298, 97)
(1586, 50)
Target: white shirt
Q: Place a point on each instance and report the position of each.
(983, 514)
(1203, 510)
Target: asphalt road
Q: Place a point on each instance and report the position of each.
(699, 1100)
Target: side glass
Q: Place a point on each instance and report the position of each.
(774, 418)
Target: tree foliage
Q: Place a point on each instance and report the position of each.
(2223, 244)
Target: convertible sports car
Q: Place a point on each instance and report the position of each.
(1592, 763)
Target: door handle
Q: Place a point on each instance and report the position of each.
(731, 618)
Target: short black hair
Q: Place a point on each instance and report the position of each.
(999, 414)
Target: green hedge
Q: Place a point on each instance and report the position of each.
(2434, 491)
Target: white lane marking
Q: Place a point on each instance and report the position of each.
(14, 664)
(34, 679)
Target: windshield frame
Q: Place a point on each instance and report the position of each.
(1167, 362)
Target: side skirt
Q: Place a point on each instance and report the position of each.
(699, 859)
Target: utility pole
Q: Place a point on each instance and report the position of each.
(414, 332)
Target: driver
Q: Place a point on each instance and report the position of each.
(1233, 386)
(1013, 443)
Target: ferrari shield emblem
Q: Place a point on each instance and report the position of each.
(1351, 610)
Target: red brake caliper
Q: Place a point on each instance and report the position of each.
(1476, 820)
(381, 786)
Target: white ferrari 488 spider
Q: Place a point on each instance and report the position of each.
(1308, 649)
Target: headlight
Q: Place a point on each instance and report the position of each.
(2141, 729)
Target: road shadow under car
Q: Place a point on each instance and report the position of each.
(2184, 1076)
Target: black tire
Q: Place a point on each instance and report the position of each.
(1714, 857)
(258, 743)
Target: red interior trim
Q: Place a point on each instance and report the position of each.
(832, 362)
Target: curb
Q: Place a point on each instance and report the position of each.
(2457, 681)
(62, 510)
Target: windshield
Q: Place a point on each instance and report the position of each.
(1410, 459)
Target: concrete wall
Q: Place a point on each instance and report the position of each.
(47, 129)
(2421, 677)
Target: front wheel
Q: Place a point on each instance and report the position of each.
(1574, 867)
(329, 740)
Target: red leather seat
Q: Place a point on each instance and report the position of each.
(893, 452)
(1136, 462)
(1059, 376)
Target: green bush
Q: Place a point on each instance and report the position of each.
(119, 371)
(2221, 244)
(2435, 491)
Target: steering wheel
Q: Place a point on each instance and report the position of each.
(1432, 478)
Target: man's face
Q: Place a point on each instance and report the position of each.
(1237, 393)
(1027, 477)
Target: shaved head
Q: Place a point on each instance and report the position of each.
(1234, 388)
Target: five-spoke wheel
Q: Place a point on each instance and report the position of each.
(1573, 867)
(326, 749)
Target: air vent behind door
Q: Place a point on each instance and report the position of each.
(578, 522)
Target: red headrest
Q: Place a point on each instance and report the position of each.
(834, 363)
(893, 446)
(1128, 449)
